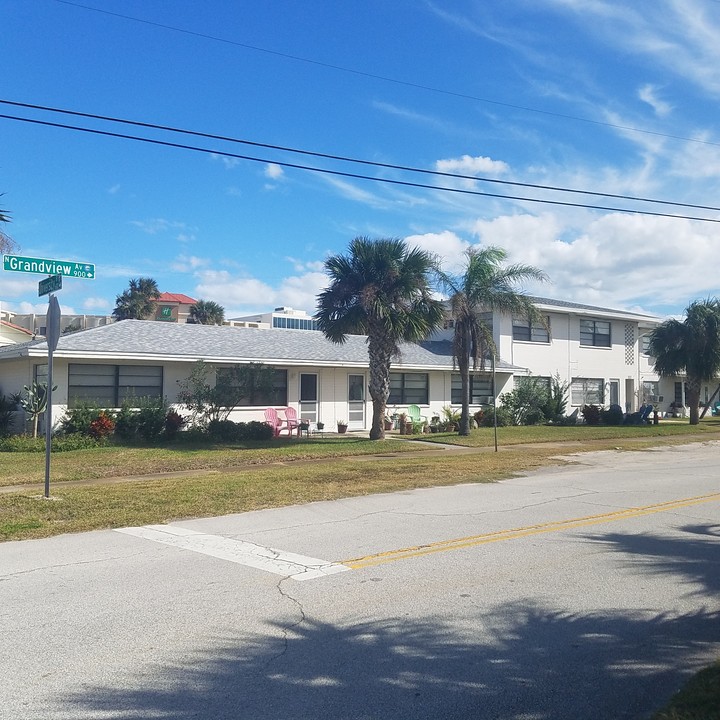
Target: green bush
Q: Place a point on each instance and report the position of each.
(612, 416)
(504, 418)
(224, 431)
(141, 419)
(591, 413)
(255, 430)
(78, 420)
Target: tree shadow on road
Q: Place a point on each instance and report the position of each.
(692, 557)
(512, 662)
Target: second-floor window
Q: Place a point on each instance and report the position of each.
(531, 332)
(595, 333)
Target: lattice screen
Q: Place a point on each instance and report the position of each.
(629, 344)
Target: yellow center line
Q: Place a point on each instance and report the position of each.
(514, 533)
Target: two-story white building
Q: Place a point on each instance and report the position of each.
(600, 352)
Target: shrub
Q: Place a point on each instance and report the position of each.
(504, 418)
(224, 430)
(141, 419)
(527, 401)
(255, 430)
(478, 417)
(591, 413)
(78, 420)
(174, 422)
(101, 427)
(613, 415)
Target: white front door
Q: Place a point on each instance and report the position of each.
(309, 397)
(356, 402)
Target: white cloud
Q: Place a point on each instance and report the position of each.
(97, 303)
(446, 245)
(228, 162)
(114, 189)
(468, 165)
(188, 263)
(274, 171)
(154, 226)
(648, 93)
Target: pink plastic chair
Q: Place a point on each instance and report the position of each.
(291, 419)
(272, 419)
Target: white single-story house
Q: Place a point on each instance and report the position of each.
(599, 351)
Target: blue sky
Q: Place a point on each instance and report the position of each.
(610, 97)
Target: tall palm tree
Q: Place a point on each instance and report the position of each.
(485, 286)
(381, 289)
(690, 346)
(207, 312)
(138, 301)
(7, 244)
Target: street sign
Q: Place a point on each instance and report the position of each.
(48, 285)
(17, 263)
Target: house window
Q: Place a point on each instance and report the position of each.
(40, 374)
(276, 396)
(587, 391)
(527, 331)
(408, 389)
(646, 345)
(595, 333)
(480, 390)
(679, 395)
(111, 385)
(650, 391)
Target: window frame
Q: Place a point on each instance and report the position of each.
(116, 392)
(593, 337)
(476, 379)
(586, 391)
(536, 331)
(404, 398)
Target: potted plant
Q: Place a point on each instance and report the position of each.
(452, 418)
(342, 426)
(387, 422)
(402, 423)
(320, 425)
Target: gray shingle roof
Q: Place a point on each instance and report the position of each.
(151, 340)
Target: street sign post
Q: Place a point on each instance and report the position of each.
(48, 285)
(43, 266)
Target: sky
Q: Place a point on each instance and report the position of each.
(596, 96)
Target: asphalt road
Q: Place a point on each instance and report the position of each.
(584, 592)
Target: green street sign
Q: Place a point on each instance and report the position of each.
(68, 268)
(48, 285)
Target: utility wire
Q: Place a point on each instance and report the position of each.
(357, 176)
(327, 156)
(385, 78)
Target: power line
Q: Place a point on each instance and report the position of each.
(356, 176)
(385, 78)
(372, 163)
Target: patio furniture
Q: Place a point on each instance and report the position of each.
(291, 419)
(275, 422)
(418, 421)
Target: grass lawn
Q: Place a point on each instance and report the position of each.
(698, 700)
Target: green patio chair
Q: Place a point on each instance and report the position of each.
(419, 421)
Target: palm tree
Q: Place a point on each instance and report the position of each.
(7, 244)
(138, 301)
(484, 286)
(692, 347)
(207, 312)
(381, 289)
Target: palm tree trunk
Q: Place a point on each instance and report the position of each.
(380, 354)
(464, 368)
(693, 397)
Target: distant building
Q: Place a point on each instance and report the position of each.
(173, 307)
(284, 318)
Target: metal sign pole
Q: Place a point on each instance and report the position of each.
(52, 334)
